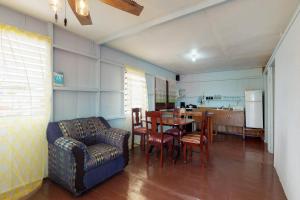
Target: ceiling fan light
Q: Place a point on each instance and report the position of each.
(82, 7)
(55, 5)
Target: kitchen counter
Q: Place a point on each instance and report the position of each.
(226, 120)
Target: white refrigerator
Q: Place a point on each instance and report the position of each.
(254, 108)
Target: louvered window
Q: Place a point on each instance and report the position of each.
(24, 75)
(135, 90)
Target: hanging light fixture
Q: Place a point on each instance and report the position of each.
(55, 5)
(82, 7)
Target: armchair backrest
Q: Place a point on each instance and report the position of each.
(83, 129)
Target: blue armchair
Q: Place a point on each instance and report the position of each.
(85, 152)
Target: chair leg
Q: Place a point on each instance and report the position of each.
(207, 152)
(132, 141)
(161, 155)
(184, 152)
(191, 153)
(170, 150)
(142, 144)
(147, 153)
(146, 142)
(201, 157)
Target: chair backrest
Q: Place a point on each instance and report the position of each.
(136, 115)
(201, 120)
(198, 117)
(178, 112)
(155, 118)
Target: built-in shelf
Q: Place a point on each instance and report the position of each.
(113, 91)
(74, 51)
(112, 63)
(115, 117)
(76, 89)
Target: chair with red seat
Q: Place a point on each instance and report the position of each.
(199, 138)
(156, 137)
(175, 131)
(137, 127)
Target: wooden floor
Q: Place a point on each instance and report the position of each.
(237, 170)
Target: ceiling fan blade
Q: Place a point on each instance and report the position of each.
(84, 20)
(129, 6)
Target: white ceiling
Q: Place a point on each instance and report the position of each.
(106, 19)
(237, 34)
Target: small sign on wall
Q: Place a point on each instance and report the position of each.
(58, 79)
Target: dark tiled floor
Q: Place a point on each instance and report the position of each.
(237, 170)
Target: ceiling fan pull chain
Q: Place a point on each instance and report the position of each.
(65, 20)
(56, 17)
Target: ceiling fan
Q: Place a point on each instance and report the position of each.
(81, 8)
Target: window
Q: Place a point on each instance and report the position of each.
(24, 75)
(135, 90)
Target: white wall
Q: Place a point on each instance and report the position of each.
(81, 74)
(151, 71)
(79, 59)
(10, 17)
(287, 115)
(79, 71)
(227, 83)
(123, 58)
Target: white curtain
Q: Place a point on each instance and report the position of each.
(25, 104)
(135, 90)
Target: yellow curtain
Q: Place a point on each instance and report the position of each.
(25, 109)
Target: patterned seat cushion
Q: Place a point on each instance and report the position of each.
(167, 138)
(101, 153)
(140, 130)
(174, 131)
(193, 138)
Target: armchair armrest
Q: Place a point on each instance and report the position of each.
(116, 137)
(67, 158)
(71, 145)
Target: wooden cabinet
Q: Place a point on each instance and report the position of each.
(228, 121)
(231, 121)
(229, 118)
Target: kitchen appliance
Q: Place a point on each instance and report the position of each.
(182, 104)
(254, 108)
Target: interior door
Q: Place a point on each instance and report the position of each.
(270, 105)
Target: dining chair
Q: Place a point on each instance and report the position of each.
(198, 138)
(175, 131)
(137, 127)
(156, 137)
(210, 123)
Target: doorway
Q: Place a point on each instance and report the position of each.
(269, 105)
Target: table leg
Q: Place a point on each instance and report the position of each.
(179, 145)
(151, 148)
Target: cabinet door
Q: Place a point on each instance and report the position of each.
(236, 118)
(220, 117)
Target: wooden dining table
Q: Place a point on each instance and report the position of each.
(174, 122)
